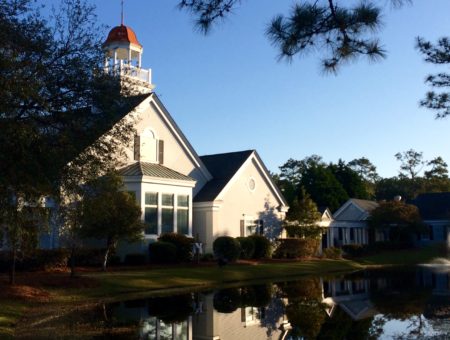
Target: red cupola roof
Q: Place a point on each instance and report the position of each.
(122, 33)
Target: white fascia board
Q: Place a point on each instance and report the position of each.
(214, 205)
(165, 115)
(158, 180)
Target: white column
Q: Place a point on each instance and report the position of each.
(115, 58)
(140, 60)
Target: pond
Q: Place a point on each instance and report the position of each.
(377, 304)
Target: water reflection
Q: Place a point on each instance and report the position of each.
(401, 304)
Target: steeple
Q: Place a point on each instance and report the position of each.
(124, 55)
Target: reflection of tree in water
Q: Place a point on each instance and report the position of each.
(230, 299)
(171, 309)
(305, 310)
(342, 326)
(401, 297)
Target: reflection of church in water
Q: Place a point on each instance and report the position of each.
(257, 313)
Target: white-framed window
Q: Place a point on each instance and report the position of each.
(183, 214)
(151, 213)
(167, 210)
(251, 226)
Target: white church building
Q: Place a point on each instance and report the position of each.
(178, 190)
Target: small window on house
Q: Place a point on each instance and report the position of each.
(340, 234)
(151, 213)
(183, 214)
(352, 234)
(167, 213)
(252, 227)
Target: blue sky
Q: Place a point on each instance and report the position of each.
(228, 92)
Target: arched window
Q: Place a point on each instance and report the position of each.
(146, 147)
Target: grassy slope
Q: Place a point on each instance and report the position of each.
(157, 281)
(404, 256)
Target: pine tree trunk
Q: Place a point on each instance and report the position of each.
(105, 260)
(12, 270)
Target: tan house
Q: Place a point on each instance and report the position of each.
(179, 191)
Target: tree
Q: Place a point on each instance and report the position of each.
(341, 33)
(302, 217)
(351, 181)
(438, 54)
(411, 163)
(324, 188)
(56, 102)
(439, 169)
(21, 219)
(402, 220)
(110, 214)
(365, 169)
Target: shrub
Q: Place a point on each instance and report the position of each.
(247, 247)
(226, 247)
(263, 247)
(182, 243)
(162, 252)
(332, 253)
(296, 247)
(208, 257)
(39, 259)
(136, 259)
(354, 250)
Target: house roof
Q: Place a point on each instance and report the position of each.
(365, 205)
(153, 170)
(433, 206)
(222, 168)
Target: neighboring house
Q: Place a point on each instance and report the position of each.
(178, 191)
(434, 208)
(349, 224)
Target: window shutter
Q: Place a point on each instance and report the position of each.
(161, 152)
(242, 228)
(137, 147)
(261, 227)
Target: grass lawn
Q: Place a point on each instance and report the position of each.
(404, 256)
(166, 280)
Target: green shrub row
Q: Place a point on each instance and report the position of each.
(171, 248)
(251, 247)
(39, 259)
(296, 247)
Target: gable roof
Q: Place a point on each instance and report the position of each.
(222, 168)
(433, 206)
(153, 170)
(363, 206)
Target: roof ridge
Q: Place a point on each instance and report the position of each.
(228, 153)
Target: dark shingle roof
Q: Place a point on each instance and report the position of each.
(222, 167)
(433, 206)
(153, 170)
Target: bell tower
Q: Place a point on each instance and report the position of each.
(123, 55)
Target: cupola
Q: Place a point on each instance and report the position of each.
(123, 54)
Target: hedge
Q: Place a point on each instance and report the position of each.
(162, 252)
(247, 247)
(332, 253)
(296, 247)
(182, 243)
(263, 247)
(227, 248)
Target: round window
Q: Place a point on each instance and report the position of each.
(251, 184)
